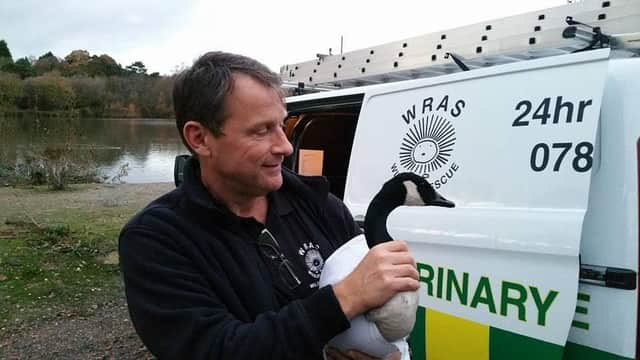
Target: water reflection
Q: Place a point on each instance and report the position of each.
(149, 146)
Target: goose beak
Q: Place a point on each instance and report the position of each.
(439, 200)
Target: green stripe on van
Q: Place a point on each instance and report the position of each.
(505, 345)
(417, 337)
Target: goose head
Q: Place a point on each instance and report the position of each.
(404, 189)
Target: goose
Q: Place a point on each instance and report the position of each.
(383, 330)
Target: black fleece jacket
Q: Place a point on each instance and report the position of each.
(198, 288)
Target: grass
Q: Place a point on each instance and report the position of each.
(41, 284)
(55, 270)
(57, 251)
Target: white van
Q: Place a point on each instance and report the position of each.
(539, 258)
(541, 159)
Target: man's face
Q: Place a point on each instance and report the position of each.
(246, 160)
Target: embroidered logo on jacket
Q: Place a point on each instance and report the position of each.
(312, 258)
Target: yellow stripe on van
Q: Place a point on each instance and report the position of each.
(452, 338)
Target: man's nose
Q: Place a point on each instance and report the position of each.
(282, 146)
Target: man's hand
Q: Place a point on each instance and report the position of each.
(387, 269)
(335, 354)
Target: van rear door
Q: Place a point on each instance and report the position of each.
(606, 319)
(514, 147)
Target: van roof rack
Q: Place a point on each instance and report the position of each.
(578, 26)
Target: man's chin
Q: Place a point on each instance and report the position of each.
(276, 183)
(272, 182)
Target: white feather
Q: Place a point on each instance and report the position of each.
(413, 196)
(363, 335)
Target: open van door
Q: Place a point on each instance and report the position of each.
(514, 147)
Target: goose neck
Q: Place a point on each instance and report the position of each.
(375, 221)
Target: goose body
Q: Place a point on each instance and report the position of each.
(383, 330)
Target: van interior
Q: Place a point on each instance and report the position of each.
(322, 136)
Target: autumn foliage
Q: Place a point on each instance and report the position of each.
(90, 85)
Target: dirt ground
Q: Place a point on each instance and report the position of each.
(39, 202)
(103, 333)
(106, 334)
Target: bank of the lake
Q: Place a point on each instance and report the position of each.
(146, 148)
(60, 283)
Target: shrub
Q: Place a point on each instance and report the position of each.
(49, 92)
(55, 165)
(90, 95)
(11, 89)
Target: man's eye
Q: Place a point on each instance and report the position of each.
(262, 131)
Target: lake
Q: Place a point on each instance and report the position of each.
(148, 146)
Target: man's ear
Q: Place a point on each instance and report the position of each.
(198, 137)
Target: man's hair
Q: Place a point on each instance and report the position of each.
(200, 92)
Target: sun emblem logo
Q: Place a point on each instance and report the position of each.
(312, 258)
(314, 262)
(428, 145)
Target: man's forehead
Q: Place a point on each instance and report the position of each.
(245, 88)
(252, 100)
(239, 79)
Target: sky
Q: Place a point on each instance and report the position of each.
(167, 35)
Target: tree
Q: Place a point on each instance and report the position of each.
(90, 95)
(4, 50)
(22, 68)
(137, 67)
(48, 92)
(47, 63)
(77, 58)
(75, 63)
(11, 90)
(5, 54)
(103, 65)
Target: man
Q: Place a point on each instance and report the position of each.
(214, 268)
